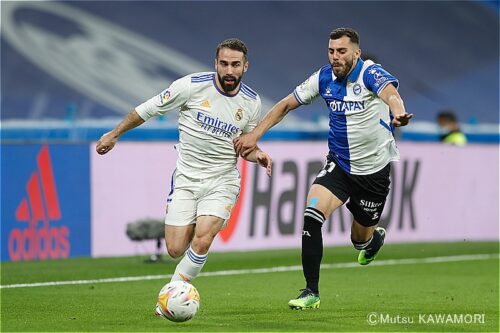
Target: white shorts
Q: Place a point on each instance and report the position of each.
(190, 198)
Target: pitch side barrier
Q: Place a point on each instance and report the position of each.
(64, 200)
(60, 131)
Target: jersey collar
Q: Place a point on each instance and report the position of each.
(355, 72)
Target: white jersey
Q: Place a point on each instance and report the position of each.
(360, 139)
(209, 120)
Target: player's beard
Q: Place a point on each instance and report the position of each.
(342, 72)
(231, 86)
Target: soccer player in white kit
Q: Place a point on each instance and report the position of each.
(364, 106)
(214, 109)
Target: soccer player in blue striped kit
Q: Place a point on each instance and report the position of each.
(364, 107)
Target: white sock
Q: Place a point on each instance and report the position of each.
(189, 267)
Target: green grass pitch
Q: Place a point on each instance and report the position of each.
(395, 290)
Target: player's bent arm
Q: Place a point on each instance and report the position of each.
(108, 140)
(391, 97)
(132, 120)
(275, 115)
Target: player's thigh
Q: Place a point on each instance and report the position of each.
(323, 199)
(330, 189)
(219, 199)
(366, 209)
(368, 201)
(180, 221)
(181, 209)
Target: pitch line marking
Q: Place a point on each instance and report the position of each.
(389, 262)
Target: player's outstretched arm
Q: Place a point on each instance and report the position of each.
(246, 143)
(108, 140)
(262, 158)
(392, 98)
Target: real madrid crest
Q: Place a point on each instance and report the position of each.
(239, 114)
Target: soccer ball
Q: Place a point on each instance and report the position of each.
(178, 301)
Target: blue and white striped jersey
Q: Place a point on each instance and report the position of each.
(360, 139)
(209, 120)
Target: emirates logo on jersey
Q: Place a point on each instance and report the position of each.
(239, 115)
(216, 126)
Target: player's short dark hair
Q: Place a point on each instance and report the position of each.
(349, 32)
(447, 116)
(233, 44)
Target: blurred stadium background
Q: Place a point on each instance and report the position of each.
(85, 62)
(71, 70)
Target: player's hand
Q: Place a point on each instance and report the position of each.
(245, 144)
(402, 119)
(265, 161)
(106, 143)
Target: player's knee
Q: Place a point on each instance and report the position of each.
(201, 245)
(313, 215)
(175, 251)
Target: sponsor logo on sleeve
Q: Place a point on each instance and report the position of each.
(378, 76)
(165, 96)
